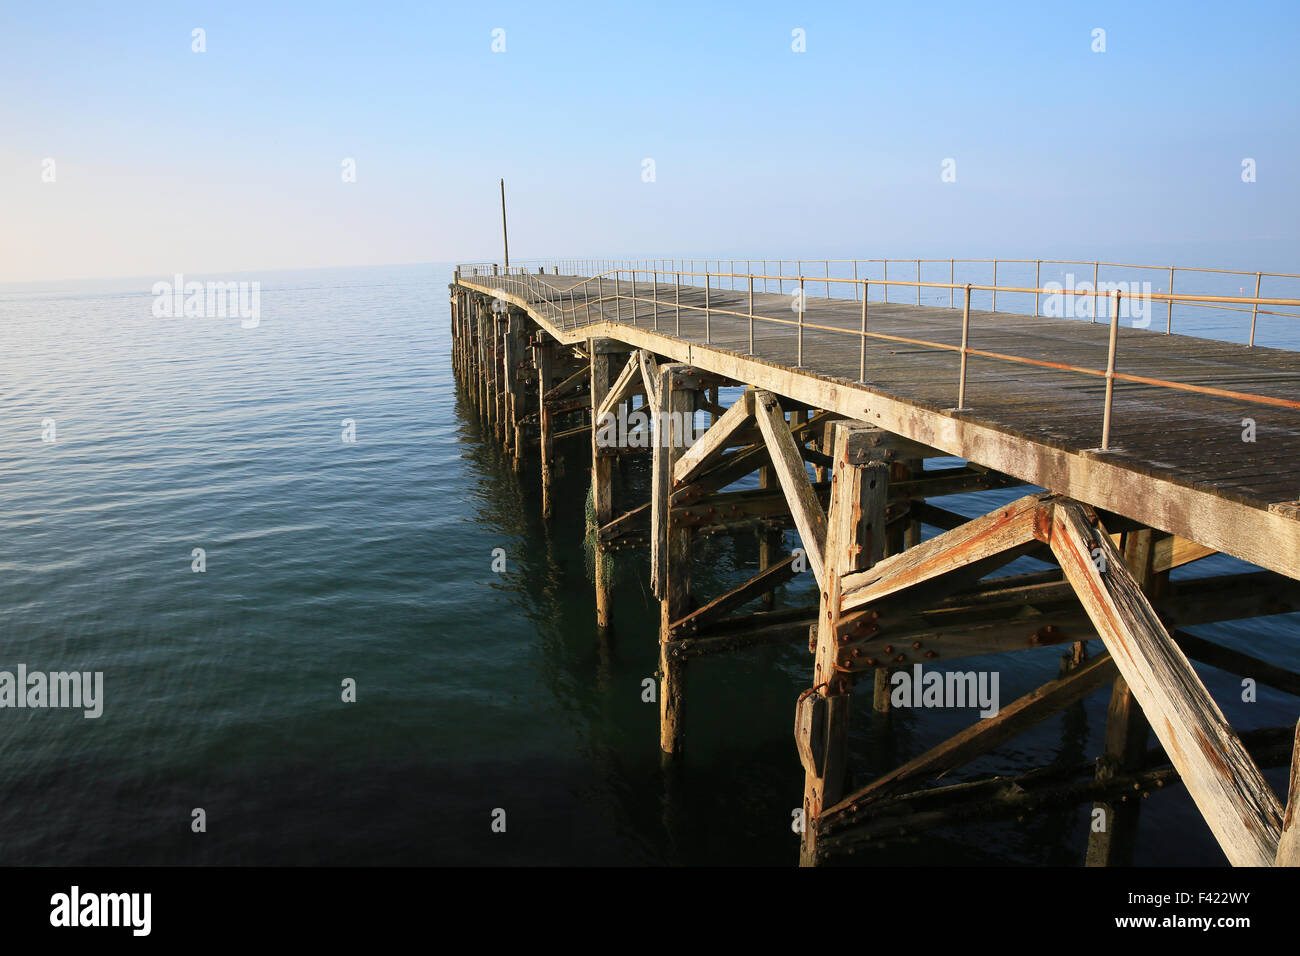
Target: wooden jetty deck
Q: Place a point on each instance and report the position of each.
(1152, 450)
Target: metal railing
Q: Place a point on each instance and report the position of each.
(619, 285)
(806, 270)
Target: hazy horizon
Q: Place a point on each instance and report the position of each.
(769, 130)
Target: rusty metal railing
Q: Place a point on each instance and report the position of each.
(549, 296)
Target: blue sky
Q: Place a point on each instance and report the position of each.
(229, 160)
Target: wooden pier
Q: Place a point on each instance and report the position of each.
(1139, 449)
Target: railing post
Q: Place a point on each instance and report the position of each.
(1169, 319)
(1254, 312)
(918, 281)
(995, 285)
(1110, 370)
(618, 300)
(862, 360)
(965, 337)
(952, 279)
(634, 297)
(886, 278)
(751, 313)
(1096, 269)
(677, 303)
(827, 263)
(654, 296)
(1038, 265)
(706, 305)
(799, 356)
(855, 278)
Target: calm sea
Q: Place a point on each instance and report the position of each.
(371, 561)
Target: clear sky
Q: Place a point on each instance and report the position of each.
(169, 160)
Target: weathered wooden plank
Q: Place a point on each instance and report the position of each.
(649, 377)
(714, 441)
(602, 491)
(680, 392)
(1288, 844)
(809, 517)
(627, 384)
(999, 531)
(854, 541)
(1227, 787)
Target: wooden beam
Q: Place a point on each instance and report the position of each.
(1228, 789)
(674, 433)
(809, 518)
(764, 581)
(649, 377)
(989, 733)
(1288, 844)
(542, 359)
(713, 442)
(602, 486)
(855, 540)
(627, 384)
(999, 531)
(570, 384)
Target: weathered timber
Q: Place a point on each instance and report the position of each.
(1232, 796)
(854, 541)
(809, 517)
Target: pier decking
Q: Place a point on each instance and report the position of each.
(1152, 449)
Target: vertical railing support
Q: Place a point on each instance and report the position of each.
(1038, 265)
(862, 359)
(751, 314)
(1169, 319)
(654, 296)
(799, 359)
(965, 339)
(1254, 312)
(1110, 370)
(706, 308)
(677, 302)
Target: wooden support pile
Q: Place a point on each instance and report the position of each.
(887, 600)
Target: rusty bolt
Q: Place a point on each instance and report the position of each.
(916, 645)
(929, 654)
(889, 648)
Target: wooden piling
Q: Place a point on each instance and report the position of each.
(854, 542)
(679, 393)
(603, 355)
(546, 450)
